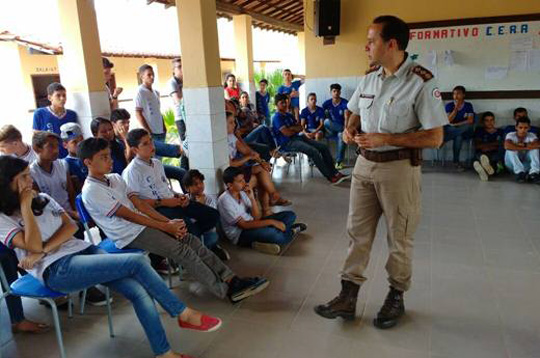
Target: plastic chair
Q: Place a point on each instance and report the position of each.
(107, 244)
(30, 287)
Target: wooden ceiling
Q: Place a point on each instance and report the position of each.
(277, 15)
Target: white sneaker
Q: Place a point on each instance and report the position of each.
(484, 160)
(272, 249)
(480, 170)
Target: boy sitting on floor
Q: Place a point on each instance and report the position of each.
(131, 222)
(11, 143)
(242, 220)
(521, 156)
(286, 131)
(489, 150)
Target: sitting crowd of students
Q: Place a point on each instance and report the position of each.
(514, 148)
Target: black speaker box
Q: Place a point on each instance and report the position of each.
(327, 17)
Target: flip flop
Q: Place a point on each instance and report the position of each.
(281, 202)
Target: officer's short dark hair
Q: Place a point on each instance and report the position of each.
(335, 86)
(519, 110)
(394, 28)
(230, 173)
(134, 137)
(119, 114)
(280, 97)
(54, 87)
(90, 147)
(460, 88)
(525, 120)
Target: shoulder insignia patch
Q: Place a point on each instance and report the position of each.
(372, 69)
(424, 73)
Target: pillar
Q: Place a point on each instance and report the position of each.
(301, 38)
(203, 91)
(80, 67)
(243, 43)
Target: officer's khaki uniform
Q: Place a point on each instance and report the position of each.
(405, 102)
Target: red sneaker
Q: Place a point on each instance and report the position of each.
(208, 324)
(339, 178)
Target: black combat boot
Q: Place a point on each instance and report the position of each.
(344, 305)
(392, 309)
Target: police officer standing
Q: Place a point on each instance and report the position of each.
(396, 111)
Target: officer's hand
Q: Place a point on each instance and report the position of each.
(371, 140)
(348, 135)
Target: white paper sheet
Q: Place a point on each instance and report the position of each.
(430, 59)
(519, 61)
(496, 73)
(521, 44)
(534, 60)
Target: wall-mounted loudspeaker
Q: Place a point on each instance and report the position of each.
(327, 17)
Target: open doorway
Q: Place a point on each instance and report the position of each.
(40, 83)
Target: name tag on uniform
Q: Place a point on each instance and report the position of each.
(369, 96)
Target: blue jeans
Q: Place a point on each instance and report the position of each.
(262, 135)
(318, 152)
(163, 149)
(270, 234)
(129, 274)
(9, 262)
(205, 218)
(458, 135)
(525, 161)
(336, 130)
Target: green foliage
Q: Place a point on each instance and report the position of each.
(275, 79)
(172, 135)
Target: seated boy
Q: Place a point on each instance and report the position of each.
(286, 131)
(71, 135)
(312, 119)
(113, 208)
(488, 145)
(51, 118)
(120, 151)
(520, 112)
(194, 185)
(521, 156)
(11, 143)
(336, 112)
(51, 176)
(145, 178)
(243, 223)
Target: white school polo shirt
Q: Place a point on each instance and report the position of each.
(30, 156)
(512, 136)
(148, 101)
(53, 183)
(231, 211)
(48, 222)
(147, 179)
(102, 200)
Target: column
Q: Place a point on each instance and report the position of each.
(301, 37)
(243, 43)
(203, 91)
(80, 67)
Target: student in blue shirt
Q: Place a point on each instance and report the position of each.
(120, 151)
(49, 119)
(262, 101)
(488, 144)
(286, 131)
(292, 89)
(312, 119)
(336, 114)
(520, 112)
(71, 135)
(461, 118)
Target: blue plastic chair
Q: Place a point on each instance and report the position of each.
(28, 286)
(107, 244)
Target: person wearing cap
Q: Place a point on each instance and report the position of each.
(71, 134)
(107, 72)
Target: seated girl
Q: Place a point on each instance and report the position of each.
(42, 235)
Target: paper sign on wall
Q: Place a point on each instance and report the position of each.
(449, 57)
(521, 44)
(496, 73)
(534, 60)
(518, 61)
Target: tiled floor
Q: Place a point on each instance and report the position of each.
(475, 292)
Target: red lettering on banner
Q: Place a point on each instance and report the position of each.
(475, 32)
(428, 35)
(444, 34)
(466, 32)
(413, 34)
(420, 35)
(452, 32)
(436, 34)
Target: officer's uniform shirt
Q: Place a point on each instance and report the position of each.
(404, 102)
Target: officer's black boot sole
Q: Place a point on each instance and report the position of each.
(329, 314)
(386, 323)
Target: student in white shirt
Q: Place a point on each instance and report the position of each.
(11, 143)
(41, 233)
(131, 222)
(242, 220)
(522, 152)
(148, 106)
